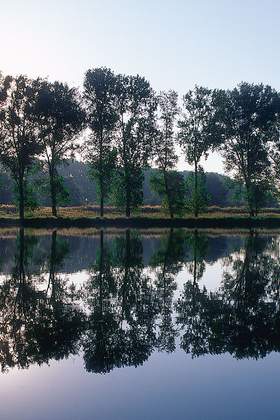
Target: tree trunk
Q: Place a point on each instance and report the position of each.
(128, 198)
(127, 208)
(168, 194)
(53, 191)
(101, 173)
(101, 198)
(249, 198)
(21, 199)
(195, 190)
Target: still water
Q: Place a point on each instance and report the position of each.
(160, 324)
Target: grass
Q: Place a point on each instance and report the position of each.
(146, 217)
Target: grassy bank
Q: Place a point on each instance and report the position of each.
(148, 217)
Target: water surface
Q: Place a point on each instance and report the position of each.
(132, 324)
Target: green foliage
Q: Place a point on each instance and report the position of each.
(43, 187)
(30, 196)
(62, 192)
(104, 174)
(165, 155)
(20, 130)
(197, 198)
(100, 96)
(246, 118)
(119, 190)
(136, 107)
(61, 119)
(198, 135)
(197, 128)
(175, 201)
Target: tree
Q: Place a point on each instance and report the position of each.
(274, 158)
(61, 120)
(246, 120)
(19, 140)
(166, 157)
(100, 100)
(197, 133)
(171, 188)
(136, 107)
(196, 199)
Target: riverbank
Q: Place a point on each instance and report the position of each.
(145, 222)
(149, 217)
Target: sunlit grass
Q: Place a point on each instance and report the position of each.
(147, 212)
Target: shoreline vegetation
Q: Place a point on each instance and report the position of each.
(146, 217)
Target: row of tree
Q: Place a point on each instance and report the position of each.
(121, 126)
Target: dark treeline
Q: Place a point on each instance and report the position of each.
(121, 312)
(120, 126)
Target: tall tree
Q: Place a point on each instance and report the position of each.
(166, 157)
(196, 132)
(247, 116)
(19, 140)
(100, 100)
(61, 119)
(136, 107)
(274, 156)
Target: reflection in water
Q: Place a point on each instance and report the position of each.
(39, 321)
(242, 316)
(127, 307)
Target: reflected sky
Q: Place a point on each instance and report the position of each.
(156, 325)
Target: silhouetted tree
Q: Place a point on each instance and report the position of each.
(165, 155)
(102, 117)
(247, 116)
(136, 107)
(61, 120)
(197, 133)
(274, 157)
(19, 131)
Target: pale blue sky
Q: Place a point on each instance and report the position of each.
(174, 44)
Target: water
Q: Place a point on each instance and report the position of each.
(154, 324)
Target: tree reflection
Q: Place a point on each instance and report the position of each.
(167, 262)
(242, 316)
(197, 245)
(120, 298)
(34, 327)
(125, 310)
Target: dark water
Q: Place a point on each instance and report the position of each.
(119, 325)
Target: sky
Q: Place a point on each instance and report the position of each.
(175, 44)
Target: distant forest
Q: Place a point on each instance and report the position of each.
(221, 190)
